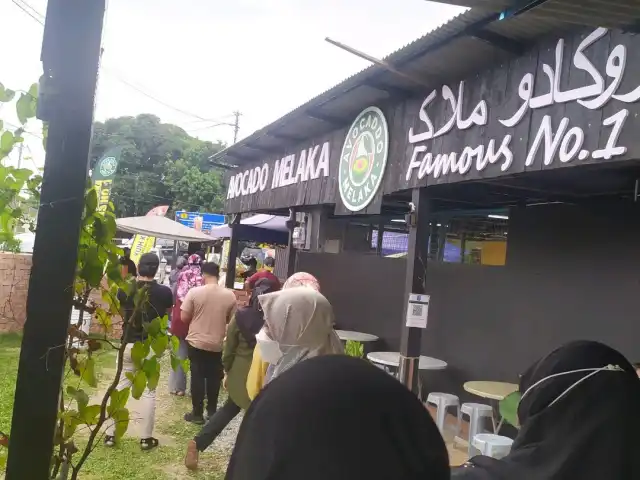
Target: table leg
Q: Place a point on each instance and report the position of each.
(496, 413)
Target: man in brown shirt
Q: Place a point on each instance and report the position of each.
(207, 310)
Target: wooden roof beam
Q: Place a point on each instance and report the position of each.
(501, 42)
(313, 113)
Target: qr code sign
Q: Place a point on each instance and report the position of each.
(416, 310)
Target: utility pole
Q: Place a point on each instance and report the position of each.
(236, 126)
(20, 147)
(70, 58)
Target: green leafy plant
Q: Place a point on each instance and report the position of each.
(354, 349)
(509, 408)
(97, 287)
(17, 185)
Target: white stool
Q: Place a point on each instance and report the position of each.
(442, 401)
(494, 446)
(476, 412)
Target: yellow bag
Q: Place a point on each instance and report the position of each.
(257, 374)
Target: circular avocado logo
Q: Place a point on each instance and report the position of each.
(363, 159)
(108, 166)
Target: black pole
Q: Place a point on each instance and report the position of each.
(463, 246)
(291, 251)
(415, 282)
(233, 252)
(380, 237)
(70, 57)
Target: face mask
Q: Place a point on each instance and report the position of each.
(269, 349)
(594, 371)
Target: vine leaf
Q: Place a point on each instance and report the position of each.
(118, 400)
(81, 397)
(138, 385)
(87, 368)
(121, 420)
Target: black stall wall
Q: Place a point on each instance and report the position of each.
(572, 273)
(365, 291)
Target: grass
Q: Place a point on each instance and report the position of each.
(126, 460)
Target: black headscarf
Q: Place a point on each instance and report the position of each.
(337, 418)
(591, 433)
(250, 319)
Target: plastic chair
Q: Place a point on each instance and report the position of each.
(494, 446)
(476, 412)
(442, 401)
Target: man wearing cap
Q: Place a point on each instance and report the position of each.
(265, 272)
(159, 300)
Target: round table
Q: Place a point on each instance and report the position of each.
(347, 335)
(491, 390)
(495, 391)
(392, 359)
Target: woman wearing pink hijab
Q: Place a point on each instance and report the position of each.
(302, 279)
(190, 276)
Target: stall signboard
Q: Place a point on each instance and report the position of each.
(203, 222)
(566, 102)
(103, 174)
(363, 159)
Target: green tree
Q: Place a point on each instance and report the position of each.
(154, 156)
(194, 189)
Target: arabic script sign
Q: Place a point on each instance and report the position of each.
(553, 137)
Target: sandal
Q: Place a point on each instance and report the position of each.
(148, 443)
(109, 441)
(180, 394)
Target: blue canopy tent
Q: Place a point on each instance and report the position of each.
(257, 228)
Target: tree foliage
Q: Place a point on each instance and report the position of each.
(96, 285)
(19, 187)
(160, 164)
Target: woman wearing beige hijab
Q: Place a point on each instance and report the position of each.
(298, 326)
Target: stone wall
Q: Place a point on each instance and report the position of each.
(14, 282)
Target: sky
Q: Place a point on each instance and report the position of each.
(203, 59)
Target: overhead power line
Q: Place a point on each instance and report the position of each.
(25, 7)
(154, 98)
(38, 17)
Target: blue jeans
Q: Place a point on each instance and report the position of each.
(178, 377)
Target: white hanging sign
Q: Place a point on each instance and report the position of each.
(418, 310)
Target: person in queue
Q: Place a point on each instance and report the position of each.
(252, 268)
(180, 263)
(206, 310)
(579, 419)
(128, 265)
(258, 370)
(265, 272)
(236, 360)
(338, 418)
(178, 377)
(189, 276)
(298, 326)
(159, 301)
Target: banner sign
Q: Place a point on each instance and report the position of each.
(142, 243)
(103, 175)
(200, 221)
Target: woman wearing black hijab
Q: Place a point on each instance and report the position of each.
(337, 418)
(583, 425)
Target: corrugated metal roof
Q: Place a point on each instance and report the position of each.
(460, 47)
(598, 13)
